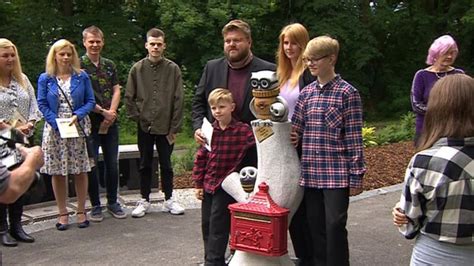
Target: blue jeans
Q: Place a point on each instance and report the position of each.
(109, 143)
(146, 141)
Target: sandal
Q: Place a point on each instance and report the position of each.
(84, 224)
(60, 226)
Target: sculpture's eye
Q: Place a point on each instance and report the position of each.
(264, 83)
(254, 83)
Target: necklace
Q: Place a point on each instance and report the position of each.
(438, 75)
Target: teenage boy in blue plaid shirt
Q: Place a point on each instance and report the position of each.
(328, 119)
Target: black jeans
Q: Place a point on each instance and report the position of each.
(215, 218)
(326, 211)
(145, 146)
(109, 143)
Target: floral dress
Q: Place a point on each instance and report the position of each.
(65, 156)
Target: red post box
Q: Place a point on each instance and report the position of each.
(259, 226)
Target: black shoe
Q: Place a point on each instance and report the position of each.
(17, 232)
(84, 224)
(7, 240)
(60, 226)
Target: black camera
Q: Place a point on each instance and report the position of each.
(10, 156)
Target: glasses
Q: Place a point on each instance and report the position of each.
(312, 61)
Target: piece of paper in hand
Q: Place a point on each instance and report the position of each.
(207, 130)
(66, 130)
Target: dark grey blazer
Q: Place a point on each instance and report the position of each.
(214, 76)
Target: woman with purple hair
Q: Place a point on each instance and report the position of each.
(441, 56)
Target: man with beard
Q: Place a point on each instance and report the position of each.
(232, 72)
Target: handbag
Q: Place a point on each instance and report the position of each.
(88, 138)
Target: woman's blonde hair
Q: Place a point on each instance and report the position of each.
(450, 111)
(17, 73)
(296, 33)
(51, 65)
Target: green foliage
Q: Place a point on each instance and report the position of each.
(369, 137)
(184, 163)
(400, 131)
(381, 46)
(127, 128)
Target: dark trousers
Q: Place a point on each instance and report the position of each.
(215, 217)
(300, 236)
(145, 146)
(109, 143)
(326, 211)
(15, 211)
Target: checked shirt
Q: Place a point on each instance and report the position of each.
(438, 196)
(228, 148)
(329, 119)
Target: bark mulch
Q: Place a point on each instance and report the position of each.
(386, 166)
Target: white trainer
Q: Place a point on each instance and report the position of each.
(143, 207)
(172, 207)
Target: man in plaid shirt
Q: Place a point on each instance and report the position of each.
(230, 141)
(328, 118)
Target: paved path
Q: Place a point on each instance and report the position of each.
(163, 239)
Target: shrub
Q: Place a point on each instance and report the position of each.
(184, 163)
(369, 137)
(401, 131)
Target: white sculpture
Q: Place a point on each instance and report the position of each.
(278, 166)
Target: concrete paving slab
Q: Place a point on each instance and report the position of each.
(131, 199)
(44, 212)
(164, 239)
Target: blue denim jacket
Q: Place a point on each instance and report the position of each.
(48, 95)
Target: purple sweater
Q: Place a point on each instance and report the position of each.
(420, 91)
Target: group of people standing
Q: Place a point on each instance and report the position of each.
(86, 91)
(326, 114)
(324, 109)
(327, 121)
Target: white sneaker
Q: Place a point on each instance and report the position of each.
(143, 207)
(172, 207)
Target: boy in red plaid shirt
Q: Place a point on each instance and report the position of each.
(230, 141)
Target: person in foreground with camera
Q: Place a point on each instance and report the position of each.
(65, 91)
(14, 183)
(18, 110)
